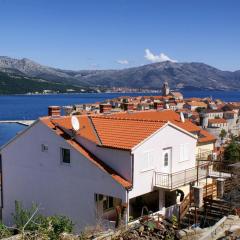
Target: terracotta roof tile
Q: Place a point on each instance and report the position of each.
(86, 130)
(124, 133)
(197, 104)
(217, 120)
(171, 116)
(206, 137)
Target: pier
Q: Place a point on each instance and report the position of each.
(22, 122)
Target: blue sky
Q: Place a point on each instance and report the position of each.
(103, 34)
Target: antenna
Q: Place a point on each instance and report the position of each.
(75, 123)
(182, 117)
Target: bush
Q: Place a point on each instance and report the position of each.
(58, 225)
(232, 152)
(4, 231)
(29, 220)
(21, 217)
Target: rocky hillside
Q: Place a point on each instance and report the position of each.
(179, 75)
(17, 83)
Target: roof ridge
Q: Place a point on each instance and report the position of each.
(129, 119)
(94, 129)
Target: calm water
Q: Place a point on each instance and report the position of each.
(31, 107)
(8, 131)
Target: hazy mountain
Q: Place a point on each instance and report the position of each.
(33, 69)
(178, 75)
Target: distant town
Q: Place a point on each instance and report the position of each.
(214, 115)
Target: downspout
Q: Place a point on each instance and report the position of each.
(127, 217)
(132, 166)
(132, 173)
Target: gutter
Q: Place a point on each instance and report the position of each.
(132, 165)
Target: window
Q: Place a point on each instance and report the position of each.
(44, 148)
(65, 155)
(107, 201)
(148, 161)
(166, 159)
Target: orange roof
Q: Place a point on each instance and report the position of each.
(124, 133)
(86, 129)
(176, 94)
(197, 104)
(205, 137)
(97, 162)
(171, 116)
(217, 120)
(165, 115)
(193, 99)
(126, 130)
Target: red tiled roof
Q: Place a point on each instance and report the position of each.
(124, 133)
(217, 120)
(176, 94)
(197, 104)
(206, 137)
(86, 129)
(171, 116)
(165, 115)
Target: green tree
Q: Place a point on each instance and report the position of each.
(232, 152)
(199, 109)
(223, 134)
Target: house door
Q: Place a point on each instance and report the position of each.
(167, 160)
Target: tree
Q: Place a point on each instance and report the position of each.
(199, 109)
(223, 134)
(232, 152)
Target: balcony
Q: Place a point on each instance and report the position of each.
(175, 180)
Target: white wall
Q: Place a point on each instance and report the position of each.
(167, 137)
(30, 175)
(118, 160)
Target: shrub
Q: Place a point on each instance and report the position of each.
(22, 217)
(4, 231)
(29, 220)
(58, 225)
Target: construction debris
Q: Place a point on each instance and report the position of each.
(228, 228)
(150, 228)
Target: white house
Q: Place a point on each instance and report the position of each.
(124, 160)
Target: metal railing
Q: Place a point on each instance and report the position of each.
(204, 155)
(174, 180)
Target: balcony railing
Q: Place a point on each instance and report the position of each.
(204, 155)
(174, 180)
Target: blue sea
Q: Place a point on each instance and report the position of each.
(31, 107)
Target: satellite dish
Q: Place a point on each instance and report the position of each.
(75, 123)
(182, 117)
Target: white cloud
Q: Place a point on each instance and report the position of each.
(157, 58)
(123, 62)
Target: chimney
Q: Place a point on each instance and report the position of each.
(54, 111)
(158, 105)
(128, 106)
(105, 107)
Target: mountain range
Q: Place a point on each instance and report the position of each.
(178, 75)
